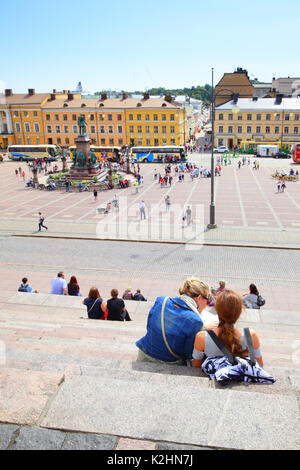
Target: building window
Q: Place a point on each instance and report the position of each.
(147, 141)
(268, 117)
(249, 129)
(268, 129)
(57, 129)
(65, 117)
(92, 117)
(130, 117)
(110, 129)
(120, 129)
(131, 129)
(287, 117)
(139, 117)
(230, 117)
(276, 130)
(172, 117)
(27, 127)
(119, 117)
(258, 129)
(277, 117)
(25, 113)
(147, 129)
(19, 141)
(102, 130)
(172, 130)
(249, 117)
(296, 117)
(75, 130)
(93, 130)
(28, 141)
(74, 117)
(110, 117)
(221, 117)
(240, 130)
(35, 113)
(18, 127)
(47, 117)
(16, 113)
(163, 117)
(102, 141)
(67, 141)
(156, 130)
(155, 141)
(36, 127)
(101, 117)
(56, 117)
(164, 129)
(286, 130)
(221, 129)
(140, 141)
(139, 129)
(172, 141)
(240, 117)
(120, 141)
(258, 117)
(38, 141)
(230, 129)
(296, 129)
(49, 129)
(220, 142)
(155, 118)
(59, 140)
(111, 141)
(147, 117)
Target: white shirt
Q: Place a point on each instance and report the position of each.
(58, 284)
(142, 205)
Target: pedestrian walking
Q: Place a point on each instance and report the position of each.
(95, 195)
(170, 180)
(188, 213)
(278, 186)
(136, 185)
(67, 185)
(23, 175)
(283, 186)
(167, 203)
(142, 210)
(17, 172)
(41, 222)
(116, 202)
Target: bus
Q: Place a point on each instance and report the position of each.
(295, 151)
(102, 152)
(250, 146)
(165, 154)
(27, 153)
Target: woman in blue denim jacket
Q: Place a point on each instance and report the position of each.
(182, 321)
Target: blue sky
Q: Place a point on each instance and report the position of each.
(138, 44)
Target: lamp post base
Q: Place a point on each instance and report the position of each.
(211, 226)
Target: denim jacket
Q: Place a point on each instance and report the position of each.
(181, 327)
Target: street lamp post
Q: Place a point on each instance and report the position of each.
(212, 214)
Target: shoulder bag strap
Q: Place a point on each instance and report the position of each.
(250, 346)
(221, 346)
(163, 328)
(92, 305)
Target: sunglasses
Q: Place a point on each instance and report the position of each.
(208, 298)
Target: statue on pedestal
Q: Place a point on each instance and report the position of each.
(82, 125)
(74, 157)
(93, 158)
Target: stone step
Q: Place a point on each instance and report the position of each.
(154, 410)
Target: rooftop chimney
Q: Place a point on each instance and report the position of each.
(168, 98)
(70, 96)
(146, 96)
(52, 96)
(124, 96)
(54, 91)
(31, 91)
(235, 97)
(279, 97)
(104, 96)
(8, 92)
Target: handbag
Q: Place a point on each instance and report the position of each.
(230, 368)
(163, 329)
(260, 301)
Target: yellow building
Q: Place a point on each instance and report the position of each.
(272, 120)
(21, 120)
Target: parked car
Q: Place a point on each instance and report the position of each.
(281, 154)
(221, 149)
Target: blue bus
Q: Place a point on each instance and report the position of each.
(27, 153)
(165, 154)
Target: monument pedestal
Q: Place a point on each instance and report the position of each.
(82, 167)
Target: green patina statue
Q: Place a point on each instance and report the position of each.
(74, 157)
(93, 158)
(81, 159)
(82, 125)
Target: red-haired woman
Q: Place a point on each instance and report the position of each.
(73, 287)
(229, 306)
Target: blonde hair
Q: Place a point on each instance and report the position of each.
(194, 287)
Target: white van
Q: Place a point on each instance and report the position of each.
(266, 150)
